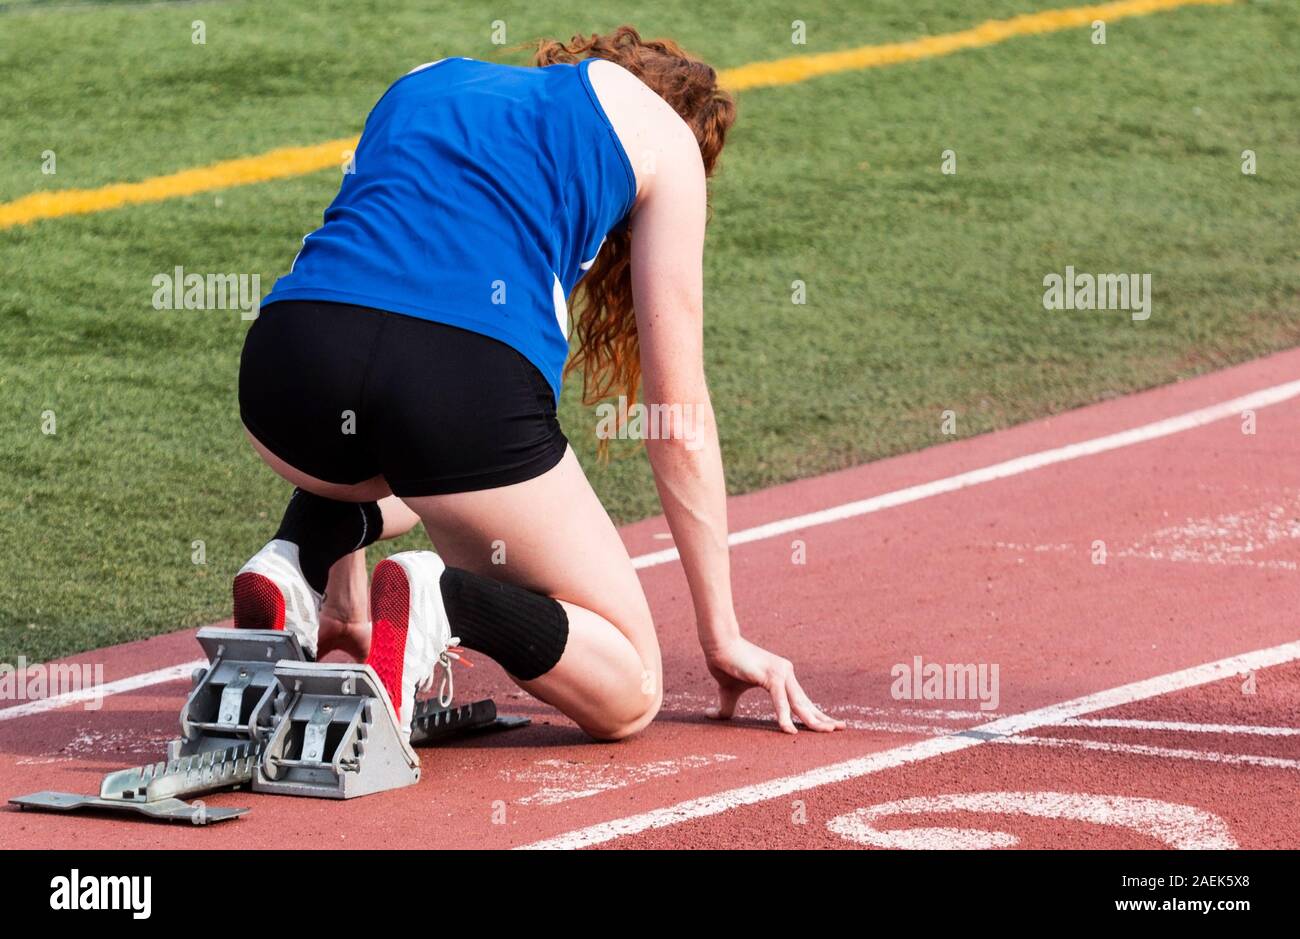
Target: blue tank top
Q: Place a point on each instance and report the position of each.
(480, 196)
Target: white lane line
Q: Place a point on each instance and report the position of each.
(938, 714)
(686, 701)
(131, 683)
(1181, 727)
(887, 727)
(728, 800)
(935, 730)
(1137, 749)
(1172, 425)
(1014, 467)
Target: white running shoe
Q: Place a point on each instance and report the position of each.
(270, 592)
(411, 635)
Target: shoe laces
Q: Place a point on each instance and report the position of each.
(447, 686)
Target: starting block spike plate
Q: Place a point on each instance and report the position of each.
(167, 810)
(335, 735)
(154, 790)
(184, 776)
(432, 722)
(231, 700)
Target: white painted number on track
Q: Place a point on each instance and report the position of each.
(1178, 826)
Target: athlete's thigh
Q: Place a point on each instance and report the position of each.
(551, 535)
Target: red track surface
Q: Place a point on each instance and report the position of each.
(1202, 533)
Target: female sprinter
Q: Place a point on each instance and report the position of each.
(407, 369)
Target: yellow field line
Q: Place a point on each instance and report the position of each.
(802, 68)
(274, 164)
(298, 161)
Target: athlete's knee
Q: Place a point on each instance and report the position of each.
(630, 715)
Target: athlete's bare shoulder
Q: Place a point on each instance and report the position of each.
(652, 133)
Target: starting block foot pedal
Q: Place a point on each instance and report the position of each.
(335, 735)
(231, 701)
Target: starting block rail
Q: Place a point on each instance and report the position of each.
(262, 716)
(166, 810)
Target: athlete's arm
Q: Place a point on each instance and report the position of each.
(668, 293)
(667, 290)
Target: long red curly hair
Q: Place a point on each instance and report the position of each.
(604, 321)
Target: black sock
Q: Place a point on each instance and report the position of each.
(326, 530)
(524, 632)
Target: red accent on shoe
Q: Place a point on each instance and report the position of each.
(258, 602)
(390, 612)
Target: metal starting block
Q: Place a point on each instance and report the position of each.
(232, 698)
(432, 722)
(335, 735)
(154, 789)
(262, 716)
(203, 772)
(166, 810)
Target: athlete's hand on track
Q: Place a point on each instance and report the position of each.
(741, 665)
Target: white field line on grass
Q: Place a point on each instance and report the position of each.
(728, 800)
(1163, 428)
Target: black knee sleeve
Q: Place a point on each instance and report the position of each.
(524, 632)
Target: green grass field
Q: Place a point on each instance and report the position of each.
(924, 290)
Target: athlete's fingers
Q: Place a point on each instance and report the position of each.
(810, 713)
(782, 704)
(812, 716)
(728, 695)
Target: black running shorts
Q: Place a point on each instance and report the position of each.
(346, 393)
